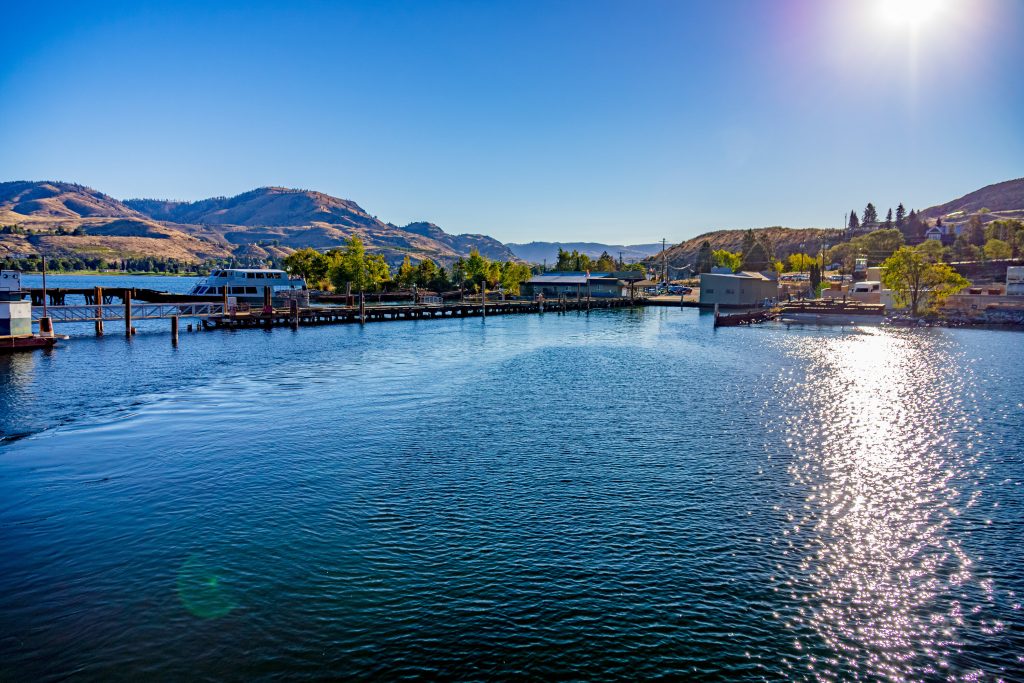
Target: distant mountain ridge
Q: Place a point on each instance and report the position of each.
(998, 198)
(267, 221)
(537, 252)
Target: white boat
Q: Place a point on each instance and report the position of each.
(247, 285)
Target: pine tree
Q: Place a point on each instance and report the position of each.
(888, 220)
(748, 243)
(870, 215)
(854, 221)
(705, 260)
(901, 216)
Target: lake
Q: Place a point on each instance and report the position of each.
(621, 495)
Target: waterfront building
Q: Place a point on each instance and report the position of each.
(745, 289)
(569, 284)
(15, 311)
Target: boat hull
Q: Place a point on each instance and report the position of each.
(26, 343)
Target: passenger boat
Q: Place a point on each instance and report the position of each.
(247, 285)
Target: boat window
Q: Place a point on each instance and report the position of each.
(259, 276)
(250, 290)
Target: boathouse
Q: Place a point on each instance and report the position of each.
(569, 284)
(738, 290)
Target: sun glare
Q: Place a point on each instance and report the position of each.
(909, 13)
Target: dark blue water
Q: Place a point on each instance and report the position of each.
(623, 495)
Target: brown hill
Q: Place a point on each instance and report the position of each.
(270, 221)
(780, 242)
(54, 200)
(1007, 196)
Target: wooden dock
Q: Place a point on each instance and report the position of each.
(334, 315)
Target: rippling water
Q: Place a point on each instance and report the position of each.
(628, 494)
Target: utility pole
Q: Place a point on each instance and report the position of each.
(621, 262)
(664, 262)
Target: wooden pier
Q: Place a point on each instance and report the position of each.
(334, 315)
(217, 315)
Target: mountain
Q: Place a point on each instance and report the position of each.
(67, 218)
(56, 201)
(537, 252)
(1002, 200)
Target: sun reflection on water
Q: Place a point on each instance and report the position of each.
(878, 443)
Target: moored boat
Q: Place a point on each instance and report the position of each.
(247, 285)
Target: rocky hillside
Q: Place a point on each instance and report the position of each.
(66, 218)
(781, 242)
(997, 198)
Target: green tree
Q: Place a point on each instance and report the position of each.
(748, 243)
(932, 250)
(605, 263)
(758, 258)
(426, 272)
(879, 245)
(513, 275)
(365, 272)
(309, 264)
(963, 250)
(406, 276)
(870, 215)
(727, 259)
(888, 220)
(998, 249)
(799, 262)
(477, 268)
(854, 222)
(919, 283)
(975, 231)
(901, 216)
(564, 260)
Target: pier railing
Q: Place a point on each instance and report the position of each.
(139, 311)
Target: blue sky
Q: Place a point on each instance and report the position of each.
(608, 121)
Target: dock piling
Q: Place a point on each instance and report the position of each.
(174, 330)
(128, 329)
(99, 311)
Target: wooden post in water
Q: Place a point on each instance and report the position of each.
(588, 296)
(127, 312)
(267, 306)
(348, 294)
(483, 299)
(362, 308)
(174, 330)
(224, 299)
(99, 311)
(293, 309)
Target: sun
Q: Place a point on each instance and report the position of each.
(909, 13)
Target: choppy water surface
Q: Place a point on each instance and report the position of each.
(628, 494)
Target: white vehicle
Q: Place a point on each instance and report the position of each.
(247, 284)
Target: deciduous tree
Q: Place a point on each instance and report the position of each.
(919, 283)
